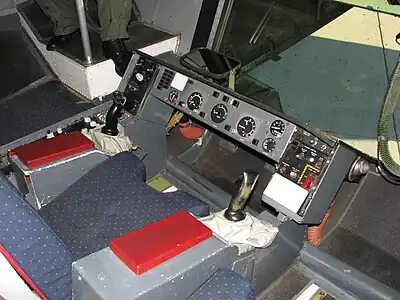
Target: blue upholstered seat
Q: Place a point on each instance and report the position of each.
(33, 245)
(110, 200)
(225, 285)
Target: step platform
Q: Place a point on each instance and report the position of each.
(98, 79)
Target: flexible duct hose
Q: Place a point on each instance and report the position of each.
(388, 107)
(314, 233)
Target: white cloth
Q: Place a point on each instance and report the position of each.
(108, 144)
(245, 235)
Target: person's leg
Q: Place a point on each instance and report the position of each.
(114, 16)
(64, 17)
(62, 13)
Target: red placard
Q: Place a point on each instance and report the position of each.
(48, 150)
(151, 245)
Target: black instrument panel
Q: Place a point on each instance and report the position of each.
(258, 129)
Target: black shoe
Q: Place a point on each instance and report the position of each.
(60, 41)
(117, 52)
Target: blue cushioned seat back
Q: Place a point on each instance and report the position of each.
(225, 285)
(33, 245)
(111, 200)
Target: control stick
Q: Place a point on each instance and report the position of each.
(244, 185)
(113, 114)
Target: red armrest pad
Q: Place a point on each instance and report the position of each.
(46, 151)
(151, 245)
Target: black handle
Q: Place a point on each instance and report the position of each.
(244, 186)
(113, 114)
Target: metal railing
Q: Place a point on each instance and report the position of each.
(80, 8)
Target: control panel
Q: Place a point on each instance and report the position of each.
(258, 129)
(309, 166)
(298, 173)
(135, 84)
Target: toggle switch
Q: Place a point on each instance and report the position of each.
(307, 182)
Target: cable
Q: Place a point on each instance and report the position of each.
(388, 76)
(387, 166)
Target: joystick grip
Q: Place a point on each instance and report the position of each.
(244, 186)
(113, 114)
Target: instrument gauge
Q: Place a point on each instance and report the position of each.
(277, 128)
(246, 126)
(219, 113)
(173, 96)
(194, 101)
(268, 145)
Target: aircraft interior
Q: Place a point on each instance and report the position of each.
(185, 178)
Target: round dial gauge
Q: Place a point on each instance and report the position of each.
(246, 126)
(268, 145)
(219, 113)
(194, 101)
(173, 96)
(277, 128)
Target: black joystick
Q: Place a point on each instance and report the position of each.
(244, 185)
(114, 113)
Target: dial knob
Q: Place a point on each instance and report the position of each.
(139, 77)
(268, 145)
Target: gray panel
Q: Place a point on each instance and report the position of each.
(49, 181)
(175, 16)
(236, 111)
(340, 279)
(321, 196)
(146, 9)
(273, 261)
(199, 186)
(103, 273)
(329, 185)
(149, 133)
(7, 7)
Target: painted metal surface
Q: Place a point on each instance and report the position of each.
(48, 181)
(103, 276)
(175, 16)
(377, 5)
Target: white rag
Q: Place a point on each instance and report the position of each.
(245, 235)
(108, 144)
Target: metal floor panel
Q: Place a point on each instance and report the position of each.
(19, 66)
(286, 287)
(368, 236)
(36, 108)
(141, 35)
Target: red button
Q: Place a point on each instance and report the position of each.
(307, 182)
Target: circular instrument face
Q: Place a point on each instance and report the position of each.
(219, 113)
(194, 101)
(268, 145)
(173, 96)
(277, 128)
(246, 126)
